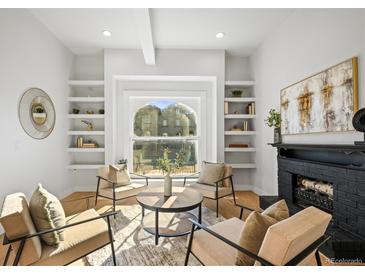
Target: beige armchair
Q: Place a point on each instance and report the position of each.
(108, 187)
(293, 241)
(213, 191)
(85, 233)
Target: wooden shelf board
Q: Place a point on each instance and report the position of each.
(92, 132)
(240, 99)
(239, 116)
(86, 116)
(239, 132)
(244, 83)
(86, 83)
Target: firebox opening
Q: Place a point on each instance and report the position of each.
(314, 192)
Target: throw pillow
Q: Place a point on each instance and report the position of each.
(211, 173)
(47, 213)
(279, 211)
(119, 174)
(252, 236)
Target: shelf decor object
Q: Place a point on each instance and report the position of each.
(36, 113)
(324, 102)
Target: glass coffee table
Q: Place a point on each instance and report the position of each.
(169, 215)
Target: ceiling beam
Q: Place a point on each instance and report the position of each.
(144, 29)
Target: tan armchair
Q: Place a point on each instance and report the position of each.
(109, 188)
(293, 241)
(85, 233)
(214, 191)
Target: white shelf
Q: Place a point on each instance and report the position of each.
(85, 150)
(239, 149)
(239, 132)
(240, 83)
(243, 166)
(91, 132)
(239, 116)
(86, 83)
(86, 116)
(79, 167)
(240, 99)
(86, 99)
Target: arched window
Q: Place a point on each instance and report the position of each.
(164, 124)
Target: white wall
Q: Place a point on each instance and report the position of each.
(30, 56)
(306, 43)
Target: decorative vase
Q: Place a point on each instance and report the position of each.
(167, 185)
(277, 135)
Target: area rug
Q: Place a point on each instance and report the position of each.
(136, 247)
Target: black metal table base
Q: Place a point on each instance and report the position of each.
(156, 229)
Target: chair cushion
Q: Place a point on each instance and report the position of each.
(211, 173)
(252, 236)
(47, 213)
(119, 174)
(213, 252)
(209, 191)
(16, 221)
(286, 239)
(227, 172)
(122, 192)
(279, 211)
(79, 240)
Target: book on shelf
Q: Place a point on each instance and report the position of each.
(89, 145)
(251, 108)
(225, 107)
(245, 126)
(238, 145)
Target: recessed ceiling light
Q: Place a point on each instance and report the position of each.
(220, 35)
(107, 33)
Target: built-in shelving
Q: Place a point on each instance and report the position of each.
(239, 124)
(91, 132)
(239, 116)
(87, 96)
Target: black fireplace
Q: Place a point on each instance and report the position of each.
(332, 178)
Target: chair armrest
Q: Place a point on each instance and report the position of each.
(248, 208)
(106, 179)
(39, 233)
(229, 242)
(140, 175)
(191, 176)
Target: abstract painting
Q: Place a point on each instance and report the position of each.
(324, 102)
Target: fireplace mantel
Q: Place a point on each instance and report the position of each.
(321, 147)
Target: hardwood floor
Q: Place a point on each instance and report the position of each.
(80, 201)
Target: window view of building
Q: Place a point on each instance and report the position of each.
(161, 124)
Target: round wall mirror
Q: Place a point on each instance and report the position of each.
(36, 113)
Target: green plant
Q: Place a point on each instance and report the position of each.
(122, 162)
(166, 165)
(274, 119)
(39, 109)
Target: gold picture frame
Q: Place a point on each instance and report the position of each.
(323, 102)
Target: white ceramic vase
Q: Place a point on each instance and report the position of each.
(167, 185)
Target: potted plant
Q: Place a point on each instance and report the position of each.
(274, 120)
(237, 93)
(75, 111)
(39, 114)
(167, 166)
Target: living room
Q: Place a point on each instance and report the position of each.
(182, 137)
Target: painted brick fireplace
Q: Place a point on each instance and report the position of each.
(339, 168)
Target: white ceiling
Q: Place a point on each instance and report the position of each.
(80, 29)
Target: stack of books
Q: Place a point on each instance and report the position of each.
(251, 108)
(89, 145)
(245, 126)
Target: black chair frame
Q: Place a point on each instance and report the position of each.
(23, 239)
(230, 177)
(295, 261)
(113, 184)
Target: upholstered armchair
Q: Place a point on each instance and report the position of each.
(84, 232)
(292, 241)
(115, 183)
(215, 189)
